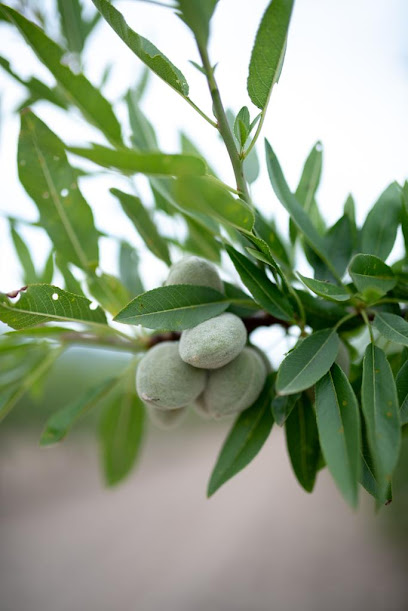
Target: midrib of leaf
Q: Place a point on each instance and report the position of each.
(186, 307)
(56, 200)
(372, 276)
(308, 363)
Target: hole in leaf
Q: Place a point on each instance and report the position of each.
(93, 305)
(64, 192)
(55, 296)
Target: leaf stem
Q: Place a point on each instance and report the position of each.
(223, 125)
(257, 133)
(367, 322)
(200, 112)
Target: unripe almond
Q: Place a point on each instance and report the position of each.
(195, 270)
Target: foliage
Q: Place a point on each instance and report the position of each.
(350, 419)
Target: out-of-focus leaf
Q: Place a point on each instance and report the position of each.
(392, 327)
(108, 291)
(60, 423)
(48, 178)
(48, 271)
(371, 276)
(268, 232)
(197, 14)
(379, 231)
(241, 126)
(72, 285)
(143, 134)
(208, 196)
(297, 213)
(38, 90)
(404, 217)
(302, 441)
(381, 415)
(121, 433)
(402, 391)
(308, 184)
(40, 303)
(283, 406)
(321, 314)
(129, 269)
(339, 247)
(248, 306)
(70, 13)
(143, 48)
(201, 242)
(76, 87)
(350, 212)
(134, 209)
(269, 51)
(247, 436)
(251, 166)
(174, 307)
(338, 423)
(24, 256)
(132, 162)
(327, 290)
(309, 361)
(264, 291)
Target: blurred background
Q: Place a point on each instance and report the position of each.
(155, 542)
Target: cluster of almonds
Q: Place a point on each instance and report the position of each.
(209, 368)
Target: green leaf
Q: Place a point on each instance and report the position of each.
(379, 231)
(134, 209)
(70, 13)
(297, 213)
(392, 327)
(269, 51)
(143, 135)
(309, 361)
(209, 196)
(76, 87)
(50, 181)
(308, 184)
(72, 285)
(321, 314)
(372, 277)
(404, 216)
(402, 391)
(143, 48)
(60, 423)
(266, 229)
(243, 304)
(23, 253)
(129, 269)
(381, 415)
(108, 291)
(32, 374)
(339, 248)
(302, 441)
(241, 126)
(247, 436)
(131, 161)
(173, 307)
(48, 271)
(283, 406)
(41, 303)
(350, 212)
(201, 242)
(338, 423)
(121, 433)
(197, 14)
(38, 90)
(326, 290)
(251, 166)
(264, 291)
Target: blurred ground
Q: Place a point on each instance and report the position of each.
(156, 543)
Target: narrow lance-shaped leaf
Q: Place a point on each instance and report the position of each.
(70, 13)
(60, 423)
(264, 291)
(392, 327)
(41, 303)
(207, 195)
(302, 441)
(76, 86)
(327, 290)
(132, 162)
(48, 269)
(134, 209)
(338, 423)
(108, 291)
(371, 276)
(402, 390)
(143, 48)
(48, 178)
(339, 241)
(23, 253)
(282, 407)
(379, 231)
(129, 269)
(297, 213)
(247, 436)
(174, 307)
(309, 361)
(404, 215)
(121, 433)
(381, 415)
(269, 51)
(308, 185)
